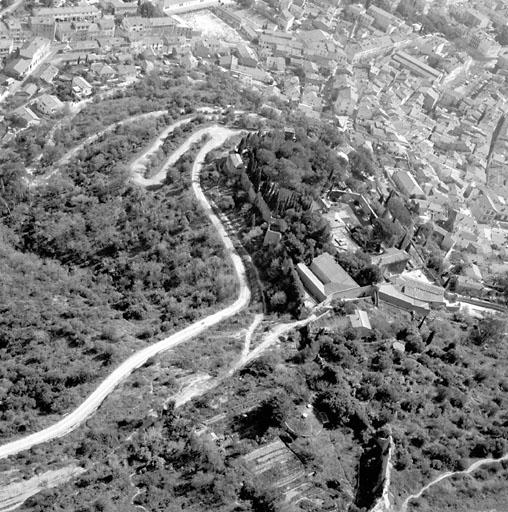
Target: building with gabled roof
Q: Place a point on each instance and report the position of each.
(325, 277)
(34, 51)
(388, 293)
(407, 184)
(234, 163)
(84, 47)
(126, 71)
(360, 319)
(120, 8)
(383, 19)
(103, 70)
(164, 25)
(468, 286)
(422, 291)
(49, 104)
(47, 73)
(78, 12)
(6, 47)
(416, 66)
(28, 89)
(171, 6)
(42, 26)
(14, 29)
(81, 87)
(28, 115)
(392, 260)
(17, 68)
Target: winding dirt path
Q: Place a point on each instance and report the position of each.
(71, 421)
(92, 138)
(137, 492)
(217, 134)
(383, 504)
(473, 467)
(14, 494)
(204, 384)
(250, 331)
(138, 167)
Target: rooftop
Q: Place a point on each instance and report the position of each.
(390, 256)
(329, 271)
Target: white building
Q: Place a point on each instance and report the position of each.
(174, 6)
(346, 101)
(49, 104)
(407, 184)
(35, 51)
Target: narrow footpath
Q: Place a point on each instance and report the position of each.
(473, 467)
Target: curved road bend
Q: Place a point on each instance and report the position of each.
(138, 166)
(92, 138)
(89, 406)
(138, 117)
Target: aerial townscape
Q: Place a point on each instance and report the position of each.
(254, 255)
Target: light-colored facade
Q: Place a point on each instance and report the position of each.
(325, 277)
(49, 104)
(417, 66)
(346, 101)
(484, 43)
(407, 184)
(157, 26)
(383, 19)
(88, 12)
(176, 6)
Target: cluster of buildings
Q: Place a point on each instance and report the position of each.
(432, 110)
(71, 32)
(432, 107)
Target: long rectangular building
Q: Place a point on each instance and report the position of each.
(165, 25)
(178, 6)
(88, 12)
(416, 66)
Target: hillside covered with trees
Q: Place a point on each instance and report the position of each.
(95, 266)
(442, 400)
(289, 173)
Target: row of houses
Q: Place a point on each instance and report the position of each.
(76, 23)
(29, 56)
(160, 26)
(240, 24)
(90, 39)
(75, 30)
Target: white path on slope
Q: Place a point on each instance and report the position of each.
(138, 167)
(14, 494)
(383, 504)
(217, 133)
(88, 407)
(204, 384)
(92, 138)
(250, 331)
(136, 494)
(201, 383)
(473, 467)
